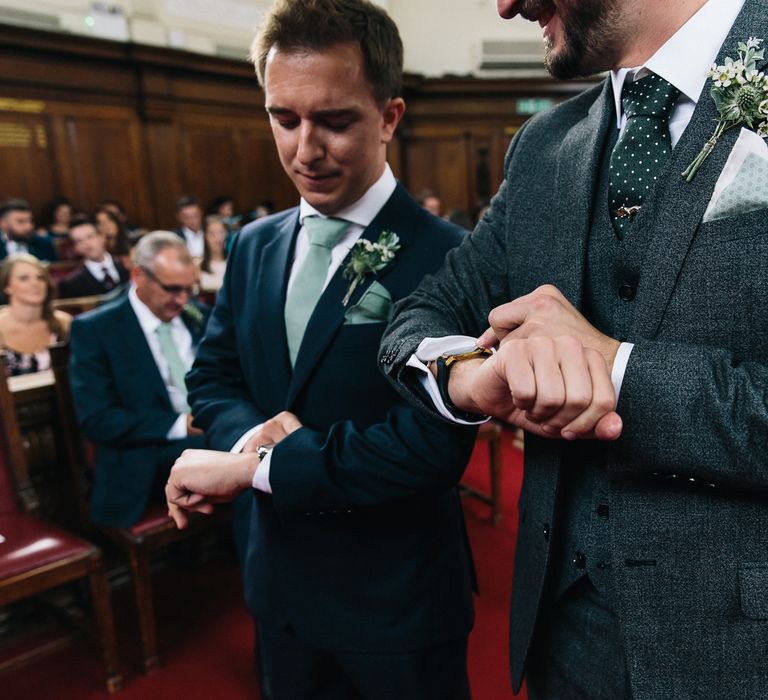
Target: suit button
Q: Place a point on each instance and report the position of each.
(602, 510)
(545, 531)
(579, 560)
(627, 292)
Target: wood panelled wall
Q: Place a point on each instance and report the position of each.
(94, 120)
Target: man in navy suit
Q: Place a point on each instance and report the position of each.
(358, 569)
(100, 273)
(128, 365)
(17, 232)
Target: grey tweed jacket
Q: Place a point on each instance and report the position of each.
(689, 476)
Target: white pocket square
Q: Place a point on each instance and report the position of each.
(743, 185)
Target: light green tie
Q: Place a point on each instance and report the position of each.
(176, 367)
(308, 284)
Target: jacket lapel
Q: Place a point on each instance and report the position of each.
(679, 205)
(576, 178)
(274, 267)
(398, 215)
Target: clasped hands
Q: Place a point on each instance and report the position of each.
(550, 375)
(202, 478)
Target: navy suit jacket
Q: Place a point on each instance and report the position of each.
(361, 546)
(39, 246)
(122, 406)
(83, 283)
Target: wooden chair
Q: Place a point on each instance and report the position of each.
(490, 434)
(62, 269)
(153, 532)
(36, 556)
(79, 305)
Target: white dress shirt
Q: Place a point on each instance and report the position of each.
(360, 215)
(183, 340)
(195, 242)
(683, 61)
(97, 269)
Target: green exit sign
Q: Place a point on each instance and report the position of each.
(531, 105)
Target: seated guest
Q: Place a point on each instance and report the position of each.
(190, 216)
(101, 273)
(17, 232)
(214, 261)
(129, 359)
(59, 218)
(110, 226)
(133, 233)
(224, 207)
(28, 324)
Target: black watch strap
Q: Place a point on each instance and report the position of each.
(444, 364)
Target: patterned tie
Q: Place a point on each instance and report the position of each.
(107, 281)
(308, 284)
(176, 367)
(643, 148)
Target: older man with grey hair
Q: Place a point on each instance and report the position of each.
(129, 359)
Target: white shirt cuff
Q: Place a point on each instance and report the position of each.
(240, 444)
(430, 349)
(620, 367)
(261, 475)
(178, 430)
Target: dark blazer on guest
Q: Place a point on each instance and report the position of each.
(361, 546)
(685, 540)
(84, 284)
(122, 405)
(39, 246)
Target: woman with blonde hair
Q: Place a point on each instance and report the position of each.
(28, 324)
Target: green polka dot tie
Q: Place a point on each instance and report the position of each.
(642, 149)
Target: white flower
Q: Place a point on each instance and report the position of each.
(754, 42)
(763, 108)
(762, 130)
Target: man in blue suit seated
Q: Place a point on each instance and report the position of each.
(358, 570)
(17, 232)
(128, 364)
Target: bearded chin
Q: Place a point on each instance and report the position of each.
(575, 59)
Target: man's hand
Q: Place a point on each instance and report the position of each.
(191, 430)
(553, 387)
(201, 478)
(545, 312)
(273, 431)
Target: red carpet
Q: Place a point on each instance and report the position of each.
(205, 635)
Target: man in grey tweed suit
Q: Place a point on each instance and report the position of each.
(642, 560)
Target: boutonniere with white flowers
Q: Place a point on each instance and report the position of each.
(369, 258)
(740, 93)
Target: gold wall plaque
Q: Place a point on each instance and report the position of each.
(10, 104)
(41, 136)
(13, 135)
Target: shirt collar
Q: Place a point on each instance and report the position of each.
(97, 267)
(365, 209)
(688, 54)
(147, 320)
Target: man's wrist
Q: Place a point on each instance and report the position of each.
(460, 386)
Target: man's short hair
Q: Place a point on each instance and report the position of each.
(80, 220)
(316, 25)
(186, 201)
(154, 243)
(10, 205)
